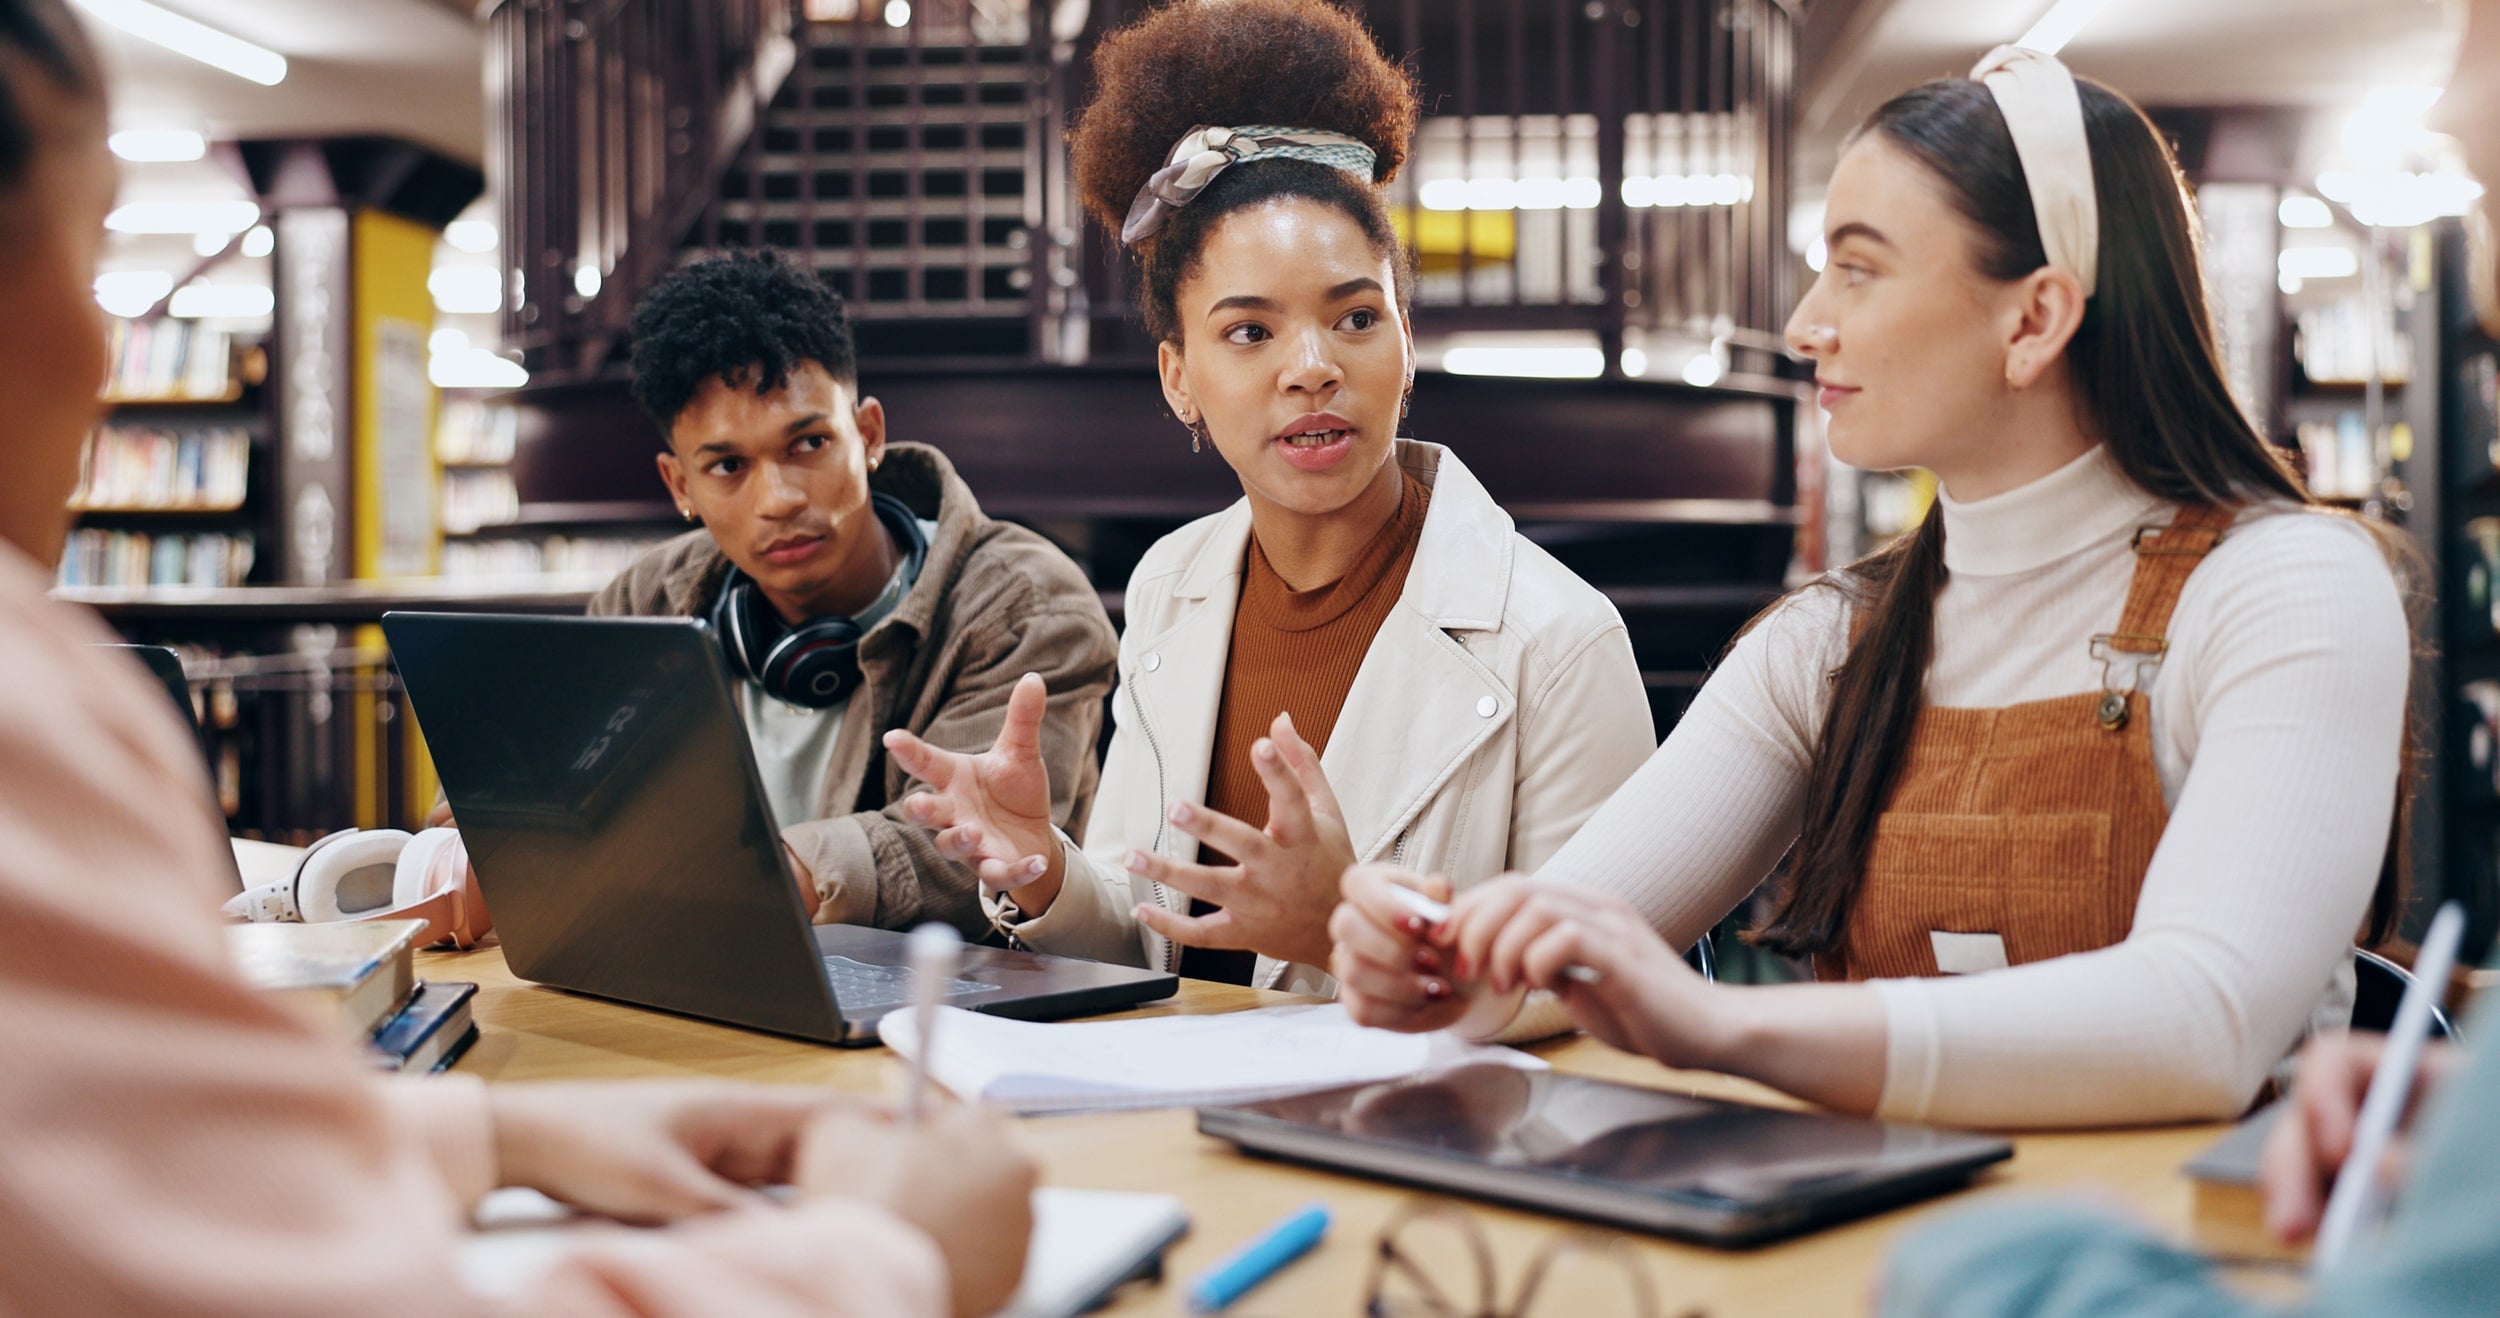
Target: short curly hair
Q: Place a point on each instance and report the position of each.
(1294, 63)
(746, 317)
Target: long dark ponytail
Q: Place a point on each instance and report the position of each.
(2149, 375)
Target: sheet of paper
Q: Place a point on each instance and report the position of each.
(1084, 1243)
(1173, 1061)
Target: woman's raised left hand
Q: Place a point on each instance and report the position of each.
(1277, 895)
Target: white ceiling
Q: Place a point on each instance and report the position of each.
(407, 67)
(2323, 53)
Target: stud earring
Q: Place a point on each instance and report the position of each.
(687, 513)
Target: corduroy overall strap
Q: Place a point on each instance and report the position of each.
(2164, 556)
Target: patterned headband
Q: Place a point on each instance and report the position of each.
(2044, 111)
(1207, 151)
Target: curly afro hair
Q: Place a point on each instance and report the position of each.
(1297, 63)
(747, 317)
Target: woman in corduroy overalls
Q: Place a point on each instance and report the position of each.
(2088, 784)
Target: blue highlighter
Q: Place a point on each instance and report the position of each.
(1243, 1270)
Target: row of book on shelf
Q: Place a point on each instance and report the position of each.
(478, 497)
(147, 467)
(504, 556)
(100, 556)
(170, 359)
(469, 432)
(2342, 459)
(359, 978)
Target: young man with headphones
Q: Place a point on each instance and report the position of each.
(854, 583)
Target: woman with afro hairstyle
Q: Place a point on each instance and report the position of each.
(1359, 660)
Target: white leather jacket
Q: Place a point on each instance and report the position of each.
(1498, 706)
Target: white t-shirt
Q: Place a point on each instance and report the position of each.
(794, 743)
(2278, 719)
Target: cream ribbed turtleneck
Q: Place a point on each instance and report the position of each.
(2277, 721)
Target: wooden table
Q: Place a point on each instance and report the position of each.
(534, 1033)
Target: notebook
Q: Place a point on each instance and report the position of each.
(1086, 1244)
(1032, 1067)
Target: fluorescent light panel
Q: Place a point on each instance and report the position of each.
(183, 217)
(474, 368)
(155, 145)
(472, 235)
(1640, 192)
(1531, 363)
(466, 290)
(128, 293)
(221, 302)
(185, 37)
(2060, 25)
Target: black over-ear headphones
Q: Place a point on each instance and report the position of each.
(816, 663)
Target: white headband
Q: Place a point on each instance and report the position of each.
(2044, 112)
(1207, 151)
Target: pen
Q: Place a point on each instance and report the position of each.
(931, 951)
(1265, 1256)
(1432, 912)
(2358, 1198)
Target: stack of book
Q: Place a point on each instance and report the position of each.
(359, 977)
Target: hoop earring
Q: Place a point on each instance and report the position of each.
(1197, 432)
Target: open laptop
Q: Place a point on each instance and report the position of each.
(602, 779)
(1698, 1169)
(166, 667)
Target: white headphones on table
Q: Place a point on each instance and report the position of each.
(378, 874)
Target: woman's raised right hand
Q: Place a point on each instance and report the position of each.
(1394, 971)
(992, 810)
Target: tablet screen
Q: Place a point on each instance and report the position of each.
(1645, 1140)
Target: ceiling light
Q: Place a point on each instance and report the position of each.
(1818, 254)
(472, 235)
(129, 293)
(197, 40)
(152, 145)
(474, 368)
(209, 243)
(224, 217)
(466, 290)
(898, 13)
(2064, 20)
(586, 281)
(1703, 370)
(258, 241)
(1532, 363)
(2302, 211)
(2317, 263)
(1635, 362)
(444, 341)
(221, 302)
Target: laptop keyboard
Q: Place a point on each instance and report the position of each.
(859, 986)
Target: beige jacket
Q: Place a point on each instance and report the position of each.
(1498, 706)
(993, 603)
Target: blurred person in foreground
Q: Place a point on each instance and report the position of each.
(2440, 1252)
(181, 1143)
